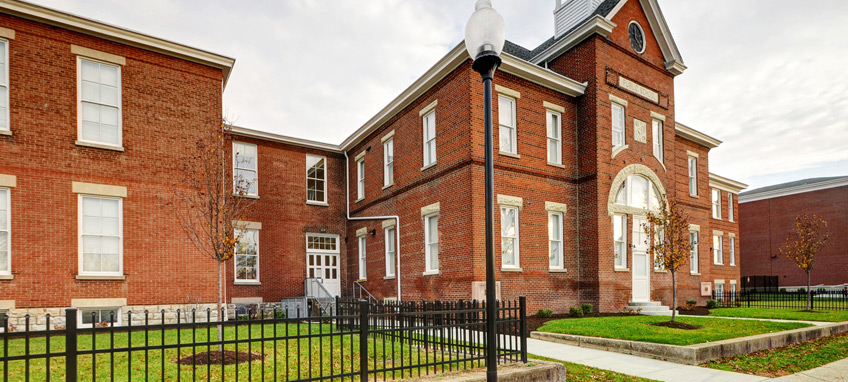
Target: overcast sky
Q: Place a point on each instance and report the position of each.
(767, 77)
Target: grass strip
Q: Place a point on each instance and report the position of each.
(576, 372)
(782, 314)
(788, 359)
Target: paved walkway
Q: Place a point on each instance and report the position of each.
(834, 371)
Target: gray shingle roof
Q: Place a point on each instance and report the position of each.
(781, 186)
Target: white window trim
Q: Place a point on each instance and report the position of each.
(732, 246)
(8, 129)
(8, 271)
(693, 260)
(730, 206)
(80, 270)
(716, 203)
(389, 237)
(388, 171)
(718, 252)
(693, 174)
(561, 240)
(360, 179)
(517, 240)
(513, 135)
(428, 268)
(362, 259)
(235, 166)
(548, 116)
(623, 107)
(625, 234)
(105, 145)
(308, 201)
(425, 151)
(118, 322)
(657, 133)
(255, 281)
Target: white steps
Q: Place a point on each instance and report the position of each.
(651, 308)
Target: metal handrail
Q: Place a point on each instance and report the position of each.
(357, 293)
(320, 294)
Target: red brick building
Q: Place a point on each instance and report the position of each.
(767, 215)
(586, 141)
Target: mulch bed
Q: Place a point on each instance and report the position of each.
(677, 325)
(696, 311)
(534, 323)
(214, 358)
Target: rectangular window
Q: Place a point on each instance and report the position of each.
(555, 257)
(506, 120)
(657, 130)
(693, 176)
(360, 179)
(718, 255)
(719, 291)
(101, 236)
(4, 315)
(693, 252)
(509, 237)
(431, 242)
(729, 206)
(247, 255)
(716, 204)
(429, 121)
(99, 102)
(99, 317)
(4, 85)
(389, 163)
(619, 223)
(732, 245)
(316, 179)
(5, 233)
(390, 252)
(245, 169)
(363, 274)
(554, 137)
(617, 125)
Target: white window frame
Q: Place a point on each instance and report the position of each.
(391, 251)
(236, 279)
(618, 122)
(732, 246)
(360, 179)
(621, 245)
(388, 163)
(554, 127)
(516, 247)
(255, 170)
(716, 196)
(554, 241)
(323, 181)
(719, 291)
(8, 127)
(428, 266)
(362, 246)
(429, 142)
(718, 249)
(509, 127)
(8, 230)
(99, 309)
(657, 131)
(119, 145)
(693, 176)
(82, 271)
(693, 252)
(730, 206)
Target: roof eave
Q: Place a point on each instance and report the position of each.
(726, 184)
(753, 196)
(310, 144)
(596, 24)
(696, 136)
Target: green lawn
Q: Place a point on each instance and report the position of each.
(639, 328)
(787, 360)
(782, 314)
(575, 372)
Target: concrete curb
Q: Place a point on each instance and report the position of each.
(698, 353)
(541, 371)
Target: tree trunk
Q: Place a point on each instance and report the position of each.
(673, 295)
(809, 293)
(220, 312)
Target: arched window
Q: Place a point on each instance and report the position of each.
(638, 191)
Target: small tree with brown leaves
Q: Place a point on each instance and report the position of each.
(668, 241)
(803, 243)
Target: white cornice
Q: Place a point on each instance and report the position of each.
(800, 189)
(696, 136)
(250, 133)
(726, 184)
(113, 33)
(542, 76)
(596, 24)
(673, 59)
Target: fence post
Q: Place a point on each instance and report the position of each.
(363, 341)
(522, 306)
(70, 345)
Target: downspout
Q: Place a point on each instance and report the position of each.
(395, 217)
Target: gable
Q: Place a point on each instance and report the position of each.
(660, 48)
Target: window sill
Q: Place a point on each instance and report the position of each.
(722, 264)
(557, 270)
(694, 196)
(6, 132)
(7, 277)
(320, 204)
(732, 265)
(99, 146)
(431, 273)
(389, 278)
(249, 196)
(429, 166)
(622, 269)
(619, 149)
(358, 200)
(509, 154)
(694, 274)
(254, 283)
(503, 269)
(660, 271)
(100, 278)
(556, 164)
(388, 186)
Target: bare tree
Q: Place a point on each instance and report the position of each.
(803, 243)
(668, 241)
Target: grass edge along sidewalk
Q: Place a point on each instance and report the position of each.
(782, 314)
(575, 372)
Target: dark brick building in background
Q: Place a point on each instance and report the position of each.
(767, 215)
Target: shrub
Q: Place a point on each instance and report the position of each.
(802, 290)
(587, 308)
(712, 304)
(575, 311)
(690, 304)
(243, 317)
(782, 290)
(544, 313)
(279, 314)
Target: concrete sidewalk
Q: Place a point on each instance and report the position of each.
(834, 371)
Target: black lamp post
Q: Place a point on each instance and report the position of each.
(484, 39)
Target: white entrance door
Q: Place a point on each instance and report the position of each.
(322, 260)
(641, 262)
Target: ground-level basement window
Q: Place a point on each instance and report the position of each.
(100, 317)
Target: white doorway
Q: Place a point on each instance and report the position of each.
(322, 260)
(641, 262)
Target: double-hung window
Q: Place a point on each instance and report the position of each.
(506, 120)
(509, 237)
(716, 204)
(247, 256)
(730, 206)
(101, 236)
(719, 291)
(245, 163)
(657, 130)
(693, 252)
(4, 86)
(429, 122)
(99, 102)
(617, 125)
(316, 179)
(390, 251)
(619, 223)
(718, 253)
(431, 242)
(555, 257)
(389, 163)
(363, 273)
(554, 137)
(5, 233)
(360, 179)
(732, 247)
(693, 176)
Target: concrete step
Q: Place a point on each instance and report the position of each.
(651, 308)
(643, 303)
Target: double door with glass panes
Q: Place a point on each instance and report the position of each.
(322, 261)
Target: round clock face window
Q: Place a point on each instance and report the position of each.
(637, 38)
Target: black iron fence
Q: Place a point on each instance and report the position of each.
(821, 299)
(357, 341)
